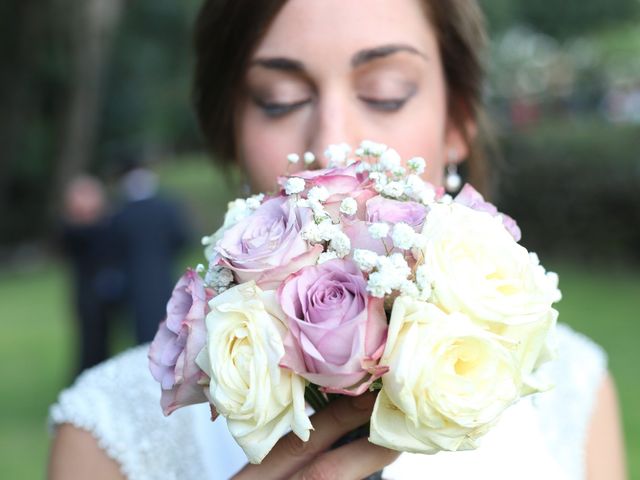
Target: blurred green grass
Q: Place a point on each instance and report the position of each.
(38, 340)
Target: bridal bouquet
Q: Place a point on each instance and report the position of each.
(359, 277)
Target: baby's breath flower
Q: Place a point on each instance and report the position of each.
(318, 193)
(218, 277)
(390, 159)
(349, 206)
(393, 189)
(427, 197)
(206, 240)
(399, 171)
(341, 244)
(417, 165)
(409, 289)
(403, 236)
(379, 230)
(200, 268)
(363, 167)
(423, 278)
(327, 229)
(309, 158)
(446, 199)
(400, 264)
(337, 153)
(366, 260)
(379, 179)
(293, 158)
(294, 185)
(377, 285)
(319, 213)
(311, 233)
(326, 256)
(255, 201)
(376, 149)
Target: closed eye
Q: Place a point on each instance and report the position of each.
(279, 109)
(386, 105)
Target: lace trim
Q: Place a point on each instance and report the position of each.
(565, 412)
(118, 400)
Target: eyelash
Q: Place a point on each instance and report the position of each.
(392, 105)
(275, 110)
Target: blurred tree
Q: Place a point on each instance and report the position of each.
(561, 20)
(91, 30)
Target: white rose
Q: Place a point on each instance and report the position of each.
(260, 400)
(477, 268)
(448, 380)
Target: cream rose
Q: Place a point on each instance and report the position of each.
(448, 380)
(260, 400)
(475, 267)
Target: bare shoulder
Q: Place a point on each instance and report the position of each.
(75, 454)
(605, 444)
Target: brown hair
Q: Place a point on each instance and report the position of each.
(228, 31)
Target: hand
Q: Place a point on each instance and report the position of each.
(295, 459)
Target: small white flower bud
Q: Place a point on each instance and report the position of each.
(393, 189)
(294, 185)
(293, 158)
(417, 165)
(403, 236)
(379, 230)
(349, 206)
(341, 244)
(309, 158)
(326, 256)
(318, 193)
(366, 260)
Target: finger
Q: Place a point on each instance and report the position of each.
(290, 454)
(356, 460)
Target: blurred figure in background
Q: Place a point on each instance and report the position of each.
(150, 231)
(98, 278)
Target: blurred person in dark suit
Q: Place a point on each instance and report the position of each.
(98, 279)
(150, 231)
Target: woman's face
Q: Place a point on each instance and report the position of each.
(332, 71)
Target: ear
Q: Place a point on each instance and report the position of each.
(458, 138)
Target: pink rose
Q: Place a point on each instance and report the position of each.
(471, 198)
(179, 340)
(340, 182)
(268, 245)
(337, 332)
(380, 209)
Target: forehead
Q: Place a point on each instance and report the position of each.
(320, 31)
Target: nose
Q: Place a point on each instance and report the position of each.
(335, 121)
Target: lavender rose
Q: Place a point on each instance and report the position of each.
(179, 340)
(381, 209)
(267, 246)
(337, 332)
(470, 197)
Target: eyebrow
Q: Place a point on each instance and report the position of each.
(363, 56)
(279, 63)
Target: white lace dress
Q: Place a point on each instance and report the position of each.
(542, 436)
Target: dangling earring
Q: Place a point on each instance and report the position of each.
(452, 180)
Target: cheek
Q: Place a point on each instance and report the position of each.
(264, 149)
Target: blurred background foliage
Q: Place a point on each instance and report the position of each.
(82, 80)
